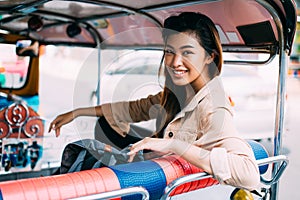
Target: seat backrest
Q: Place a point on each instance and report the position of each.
(260, 152)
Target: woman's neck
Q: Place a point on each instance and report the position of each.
(193, 88)
(199, 83)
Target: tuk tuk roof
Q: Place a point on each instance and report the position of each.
(249, 25)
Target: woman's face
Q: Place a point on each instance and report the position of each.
(185, 59)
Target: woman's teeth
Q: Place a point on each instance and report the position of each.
(179, 72)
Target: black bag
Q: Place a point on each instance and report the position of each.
(89, 153)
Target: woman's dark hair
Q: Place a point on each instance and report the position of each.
(203, 28)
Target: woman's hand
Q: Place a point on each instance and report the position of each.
(65, 118)
(155, 144)
(61, 120)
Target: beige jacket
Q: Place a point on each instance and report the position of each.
(206, 122)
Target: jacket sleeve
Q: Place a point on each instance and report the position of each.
(234, 167)
(231, 158)
(120, 114)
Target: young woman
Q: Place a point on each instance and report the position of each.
(194, 117)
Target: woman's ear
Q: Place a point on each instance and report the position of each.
(210, 58)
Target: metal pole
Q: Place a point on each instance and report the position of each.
(97, 38)
(99, 73)
(117, 193)
(280, 100)
(184, 179)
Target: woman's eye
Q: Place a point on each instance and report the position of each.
(187, 53)
(169, 51)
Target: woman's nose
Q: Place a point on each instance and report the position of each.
(177, 60)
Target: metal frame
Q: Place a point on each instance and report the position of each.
(281, 93)
(282, 159)
(118, 193)
(203, 175)
(182, 180)
(120, 10)
(187, 179)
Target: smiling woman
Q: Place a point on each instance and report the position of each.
(194, 117)
(184, 59)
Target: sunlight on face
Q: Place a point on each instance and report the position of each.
(185, 58)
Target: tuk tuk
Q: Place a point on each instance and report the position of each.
(246, 28)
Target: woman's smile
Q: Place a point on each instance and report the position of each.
(179, 72)
(185, 58)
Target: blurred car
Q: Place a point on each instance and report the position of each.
(133, 75)
(250, 89)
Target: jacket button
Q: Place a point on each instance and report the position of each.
(171, 134)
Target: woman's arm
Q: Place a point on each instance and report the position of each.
(219, 151)
(238, 170)
(118, 114)
(191, 153)
(231, 161)
(67, 117)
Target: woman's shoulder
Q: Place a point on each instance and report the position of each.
(213, 101)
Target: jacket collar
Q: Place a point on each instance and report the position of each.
(200, 95)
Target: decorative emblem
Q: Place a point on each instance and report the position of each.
(19, 121)
(16, 114)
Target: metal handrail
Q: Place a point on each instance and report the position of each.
(186, 179)
(117, 193)
(274, 159)
(181, 180)
(203, 175)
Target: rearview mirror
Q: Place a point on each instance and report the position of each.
(27, 48)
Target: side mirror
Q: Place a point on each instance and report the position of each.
(27, 48)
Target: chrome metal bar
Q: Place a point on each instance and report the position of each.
(247, 62)
(203, 175)
(177, 4)
(279, 115)
(277, 176)
(122, 8)
(272, 159)
(184, 179)
(280, 101)
(117, 193)
(275, 159)
(99, 73)
(98, 39)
